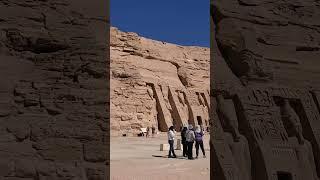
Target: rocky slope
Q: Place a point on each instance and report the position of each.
(138, 66)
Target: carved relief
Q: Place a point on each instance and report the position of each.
(154, 111)
(242, 52)
(276, 112)
(303, 147)
(178, 107)
(164, 115)
(228, 117)
(236, 142)
(253, 65)
(198, 111)
(178, 112)
(291, 121)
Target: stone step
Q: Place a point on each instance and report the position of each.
(165, 147)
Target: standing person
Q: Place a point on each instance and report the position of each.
(153, 129)
(171, 137)
(199, 141)
(190, 137)
(148, 132)
(183, 141)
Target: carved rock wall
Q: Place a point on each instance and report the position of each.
(53, 90)
(156, 84)
(264, 88)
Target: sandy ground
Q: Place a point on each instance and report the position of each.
(132, 158)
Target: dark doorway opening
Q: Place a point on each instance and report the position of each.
(284, 176)
(199, 120)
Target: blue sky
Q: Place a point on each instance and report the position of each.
(183, 22)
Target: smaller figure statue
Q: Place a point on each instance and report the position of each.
(238, 143)
(304, 149)
(292, 121)
(228, 121)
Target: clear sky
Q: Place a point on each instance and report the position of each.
(183, 22)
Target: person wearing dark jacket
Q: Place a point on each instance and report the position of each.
(199, 141)
(183, 141)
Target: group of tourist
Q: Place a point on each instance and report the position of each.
(189, 136)
(150, 130)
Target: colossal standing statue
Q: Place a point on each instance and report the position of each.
(304, 148)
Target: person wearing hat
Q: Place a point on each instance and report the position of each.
(183, 141)
(190, 137)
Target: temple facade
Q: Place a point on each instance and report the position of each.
(264, 96)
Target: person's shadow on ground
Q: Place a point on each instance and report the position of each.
(166, 156)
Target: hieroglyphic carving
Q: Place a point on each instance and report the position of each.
(309, 108)
(262, 115)
(267, 131)
(277, 151)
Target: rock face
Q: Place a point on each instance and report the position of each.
(265, 75)
(53, 90)
(156, 84)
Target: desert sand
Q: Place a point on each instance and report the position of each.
(132, 158)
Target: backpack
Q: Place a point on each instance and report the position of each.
(189, 136)
(198, 136)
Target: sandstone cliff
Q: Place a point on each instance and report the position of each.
(156, 83)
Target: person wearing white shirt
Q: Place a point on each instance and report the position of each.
(171, 137)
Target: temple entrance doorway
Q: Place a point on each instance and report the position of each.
(199, 120)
